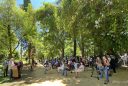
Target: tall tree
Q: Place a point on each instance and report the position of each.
(26, 3)
(8, 12)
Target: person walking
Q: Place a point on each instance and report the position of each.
(106, 68)
(99, 68)
(76, 68)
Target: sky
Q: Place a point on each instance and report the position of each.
(36, 3)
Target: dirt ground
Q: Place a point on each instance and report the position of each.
(53, 78)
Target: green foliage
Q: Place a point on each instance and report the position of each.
(97, 26)
(7, 18)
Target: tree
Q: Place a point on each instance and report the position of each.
(53, 30)
(8, 25)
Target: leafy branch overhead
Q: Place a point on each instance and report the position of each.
(69, 27)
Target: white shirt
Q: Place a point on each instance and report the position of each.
(62, 66)
(10, 64)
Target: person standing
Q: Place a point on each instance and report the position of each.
(64, 68)
(124, 58)
(10, 67)
(5, 68)
(99, 67)
(46, 65)
(20, 66)
(93, 66)
(113, 63)
(106, 68)
(76, 68)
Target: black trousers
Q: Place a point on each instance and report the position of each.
(5, 72)
(113, 67)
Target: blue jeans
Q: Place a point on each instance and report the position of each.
(101, 71)
(106, 70)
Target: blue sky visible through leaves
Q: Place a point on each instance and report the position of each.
(36, 3)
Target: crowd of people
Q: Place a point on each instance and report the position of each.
(104, 65)
(12, 69)
(64, 65)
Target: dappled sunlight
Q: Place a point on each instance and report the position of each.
(49, 83)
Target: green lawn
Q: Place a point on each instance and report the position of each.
(4, 80)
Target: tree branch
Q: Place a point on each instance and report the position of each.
(16, 46)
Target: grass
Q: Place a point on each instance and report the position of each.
(4, 79)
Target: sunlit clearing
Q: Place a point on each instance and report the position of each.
(49, 83)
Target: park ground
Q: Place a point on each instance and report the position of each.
(52, 78)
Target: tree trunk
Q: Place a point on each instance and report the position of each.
(62, 52)
(21, 51)
(82, 51)
(10, 41)
(74, 54)
(29, 52)
(94, 51)
(100, 49)
(82, 47)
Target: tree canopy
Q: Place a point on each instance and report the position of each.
(67, 28)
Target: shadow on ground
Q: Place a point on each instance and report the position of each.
(52, 78)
